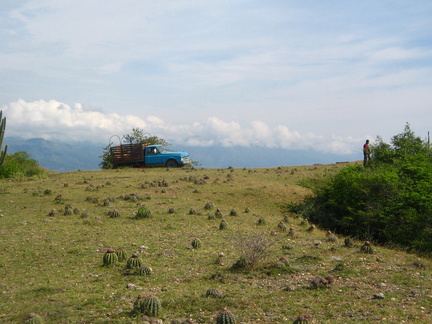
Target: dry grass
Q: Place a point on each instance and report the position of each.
(52, 265)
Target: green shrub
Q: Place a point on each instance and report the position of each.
(20, 165)
(389, 201)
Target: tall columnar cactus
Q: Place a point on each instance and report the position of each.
(148, 305)
(225, 317)
(2, 132)
(110, 258)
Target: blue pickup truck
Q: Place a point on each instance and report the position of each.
(146, 155)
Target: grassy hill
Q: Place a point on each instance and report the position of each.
(51, 261)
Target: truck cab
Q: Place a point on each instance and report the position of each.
(158, 155)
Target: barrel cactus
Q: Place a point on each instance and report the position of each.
(367, 248)
(303, 319)
(261, 221)
(225, 317)
(33, 318)
(208, 205)
(218, 213)
(110, 258)
(192, 211)
(68, 210)
(134, 262)
(143, 212)
(233, 212)
(145, 271)
(282, 226)
(213, 292)
(196, 243)
(223, 224)
(121, 254)
(148, 305)
(114, 213)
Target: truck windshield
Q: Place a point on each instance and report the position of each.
(162, 149)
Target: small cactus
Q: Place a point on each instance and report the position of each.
(367, 248)
(114, 213)
(134, 262)
(196, 243)
(225, 317)
(213, 292)
(223, 224)
(247, 210)
(348, 242)
(282, 226)
(208, 205)
(220, 258)
(218, 213)
(110, 258)
(303, 319)
(332, 238)
(292, 232)
(148, 305)
(233, 212)
(143, 213)
(192, 211)
(121, 254)
(261, 221)
(145, 271)
(68, 211)
(33, 318)
(171, 211)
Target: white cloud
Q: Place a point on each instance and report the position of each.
(59, 121)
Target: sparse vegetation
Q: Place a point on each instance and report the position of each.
(53, 265)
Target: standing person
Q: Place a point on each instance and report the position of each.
(366, 153)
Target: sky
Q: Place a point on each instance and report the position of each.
(324, 75)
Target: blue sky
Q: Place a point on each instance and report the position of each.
(324, 75)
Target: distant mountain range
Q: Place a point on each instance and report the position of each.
(64, 157)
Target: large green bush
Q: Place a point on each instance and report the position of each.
(20, 165)
(388, 201)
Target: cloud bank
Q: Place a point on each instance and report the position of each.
(54, 120)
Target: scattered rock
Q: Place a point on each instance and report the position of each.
(378, 296)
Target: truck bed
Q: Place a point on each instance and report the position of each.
(127, 153)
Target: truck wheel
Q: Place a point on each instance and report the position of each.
(171, 164)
